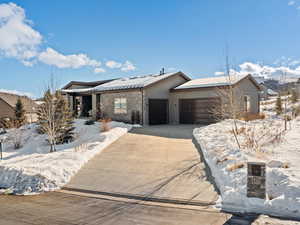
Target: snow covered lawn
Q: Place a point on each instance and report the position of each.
(283, 166)
(32, 169)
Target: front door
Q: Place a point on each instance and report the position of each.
(158, 111)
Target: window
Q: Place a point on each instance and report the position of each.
(246, 103)
(120, 105)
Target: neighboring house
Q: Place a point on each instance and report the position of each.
(157, 99)
(267, 92)
(298, 86)
(8, 102)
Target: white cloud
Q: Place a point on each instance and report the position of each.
(113, 64)
(99, 70)
(17, 38)
(128, 66)
(52, 57)
(267, 71)
(15, 92)
(291, 3)
(218, 73)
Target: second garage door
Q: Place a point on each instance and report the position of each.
(198, 111)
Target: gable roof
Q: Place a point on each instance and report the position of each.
(85, 83)
(11, 100)
(216, 82)
(136, 82)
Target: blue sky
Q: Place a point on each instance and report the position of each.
(109, 39)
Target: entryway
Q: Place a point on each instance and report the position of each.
(158, 111)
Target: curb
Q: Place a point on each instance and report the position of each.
(139, 197)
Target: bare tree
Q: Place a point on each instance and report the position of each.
(230, 105)
(47, 118)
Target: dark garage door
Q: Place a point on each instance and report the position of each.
(198, 111)
(158, 111)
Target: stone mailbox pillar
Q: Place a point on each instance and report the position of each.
(256, 180)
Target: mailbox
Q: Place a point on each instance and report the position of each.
(256, 180)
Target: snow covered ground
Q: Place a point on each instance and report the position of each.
(32, 169)
(281, 153)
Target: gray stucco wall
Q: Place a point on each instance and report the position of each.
(245, 87)
(134, 102)
(160, 90)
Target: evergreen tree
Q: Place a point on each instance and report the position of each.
(20, 113)
(65, 118)
(278, 106)
(294, 97)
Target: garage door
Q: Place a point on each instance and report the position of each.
(158, 111)
(199, 111)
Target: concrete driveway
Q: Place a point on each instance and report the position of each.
(154, 162)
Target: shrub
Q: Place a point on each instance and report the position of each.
(296, 111)
(278, 106)
(235, 166)
(253, 116)
(105, 124)
(294, 97)
(287, 117)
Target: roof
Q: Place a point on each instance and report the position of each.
(127, 83)
(215, 82)
(11, 100)
(84, 83)
(136, 82)
(271, 92)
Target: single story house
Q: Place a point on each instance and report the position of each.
(267, 92)
(159, 99)
(8, 102)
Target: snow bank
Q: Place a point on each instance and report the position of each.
(283, 184)
(32, 169)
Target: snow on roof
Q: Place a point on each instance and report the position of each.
(211, 82)
(132, 82)
(271, 92)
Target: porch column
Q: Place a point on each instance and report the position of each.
(94, 106)
(71, 103)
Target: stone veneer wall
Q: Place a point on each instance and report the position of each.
(134, 102)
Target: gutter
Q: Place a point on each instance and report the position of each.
(142, 92)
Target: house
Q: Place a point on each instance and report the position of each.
(267, 92)
(298, 87)
(157, 99)
(195, 101)
(8, 102)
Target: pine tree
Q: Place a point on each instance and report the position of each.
(20, 113)
(64, 115)
(278, 106)
(294, 97)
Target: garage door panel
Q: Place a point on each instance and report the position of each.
(198, 110)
